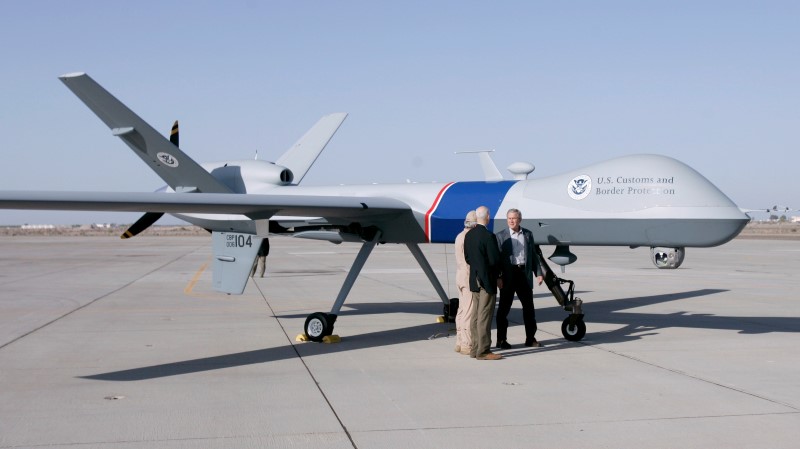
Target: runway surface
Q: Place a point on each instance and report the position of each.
(122, 344)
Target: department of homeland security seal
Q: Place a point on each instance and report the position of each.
(579, 187)
(167, 159)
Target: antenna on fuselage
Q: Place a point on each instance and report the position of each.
(490, 171)
(521, 170)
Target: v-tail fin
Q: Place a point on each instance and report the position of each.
(301, 156)
(176, 168)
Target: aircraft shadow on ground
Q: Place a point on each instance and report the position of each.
(635, 325)
(290, 351)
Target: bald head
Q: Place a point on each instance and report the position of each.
(482, 214)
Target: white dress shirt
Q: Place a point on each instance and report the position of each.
(517, 247)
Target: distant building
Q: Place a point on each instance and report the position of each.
(794, 219)
(38, 226)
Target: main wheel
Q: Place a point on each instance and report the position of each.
(574, 332)
(318, 325)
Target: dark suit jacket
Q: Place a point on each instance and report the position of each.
(483, 257)
(506, 251)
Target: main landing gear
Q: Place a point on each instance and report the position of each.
(572, 328)
(320, 325)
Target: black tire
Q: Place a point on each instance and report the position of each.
(318, 326)
(450, 310)
(575, 332)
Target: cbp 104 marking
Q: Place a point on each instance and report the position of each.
(238, 241)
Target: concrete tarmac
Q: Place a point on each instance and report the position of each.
(122, 344)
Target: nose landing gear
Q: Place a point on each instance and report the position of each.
(573, 327)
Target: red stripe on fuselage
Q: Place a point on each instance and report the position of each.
(433, 207)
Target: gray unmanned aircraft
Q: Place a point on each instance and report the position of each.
(638, 200)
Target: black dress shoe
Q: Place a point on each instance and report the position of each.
(503, 345)
(533, 343)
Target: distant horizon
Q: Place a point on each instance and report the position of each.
(788, 216)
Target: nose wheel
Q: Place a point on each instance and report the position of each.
(573, 328)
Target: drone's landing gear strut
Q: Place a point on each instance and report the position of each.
(320, 325)
(572, 328)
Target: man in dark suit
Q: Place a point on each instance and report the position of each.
(518, 263)
(483, 256)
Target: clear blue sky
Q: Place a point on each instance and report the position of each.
(558, 84)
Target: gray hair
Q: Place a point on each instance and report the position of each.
(471, 220)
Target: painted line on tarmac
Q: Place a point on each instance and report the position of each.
(195, 278)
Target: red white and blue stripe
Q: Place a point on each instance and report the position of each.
(445, 218)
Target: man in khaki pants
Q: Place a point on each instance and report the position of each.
(483, 256)
(464, 314)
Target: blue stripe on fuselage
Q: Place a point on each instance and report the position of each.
(447, 220)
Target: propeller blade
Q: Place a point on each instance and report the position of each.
(173, 135)
(151, 217)
(141, 224)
